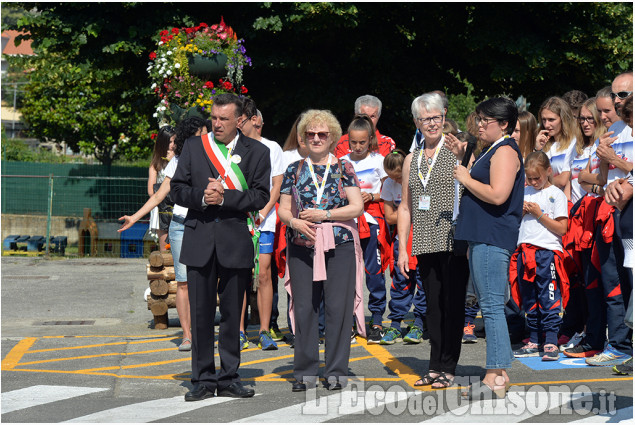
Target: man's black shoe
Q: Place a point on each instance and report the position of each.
(298, 387)
(198, 393)
(236, 390)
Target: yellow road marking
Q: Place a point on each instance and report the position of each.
(96, 356)
(45, 350)
(104, 336)
(16, 353)
(380, 353)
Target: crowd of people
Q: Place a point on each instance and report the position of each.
(527, 219)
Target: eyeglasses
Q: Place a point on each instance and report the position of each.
(322, 135)
(258, 127)
(426, 121)
(582, 119)
(622, 95)
(484, 121)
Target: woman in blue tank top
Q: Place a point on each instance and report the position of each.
(489, 219)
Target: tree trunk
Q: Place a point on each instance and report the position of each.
(161, 322)
(159, 305)
(160, 259)
(163, 273)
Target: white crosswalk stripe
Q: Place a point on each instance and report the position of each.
(41, 394)
(350, 404)
(622, 415)
(323, 409)
(513, 409)
(149, 411)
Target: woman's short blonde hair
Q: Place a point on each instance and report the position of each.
(320, 116)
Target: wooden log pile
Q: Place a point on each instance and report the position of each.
(160, 273)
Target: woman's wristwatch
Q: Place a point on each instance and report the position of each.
(328, 214)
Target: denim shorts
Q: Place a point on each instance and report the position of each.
(266, 242)
(176, 241)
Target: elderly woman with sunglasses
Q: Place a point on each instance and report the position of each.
(489, 220)
(319, 198)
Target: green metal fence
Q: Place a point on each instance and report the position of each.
(40, 202)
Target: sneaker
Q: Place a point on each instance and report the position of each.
(609, 357)
(550, 353)
(530, 349)
(353, 336)
(414, 335)
(391, 335)
(575, 340)
(375, 335)
(625, 368)
(468, 334)
(266, 343)
(244, 342)
(581, 350)
(276, 333)
(290, 339)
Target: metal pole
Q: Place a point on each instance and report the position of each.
(48, 216)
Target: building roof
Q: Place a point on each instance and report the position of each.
(9, 47)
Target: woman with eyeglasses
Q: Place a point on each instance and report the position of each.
(489, 219)
(319, 198)
(558, 133)
(427, 203)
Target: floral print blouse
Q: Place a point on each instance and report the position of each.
(306, 192)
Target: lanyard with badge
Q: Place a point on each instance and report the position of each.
(425, 200)
(320, 188)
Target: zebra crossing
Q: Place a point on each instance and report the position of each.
(349, 405)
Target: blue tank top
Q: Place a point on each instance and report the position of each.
(483, 222)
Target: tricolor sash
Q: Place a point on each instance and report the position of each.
(232, 177)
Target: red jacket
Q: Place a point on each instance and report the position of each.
(528, 253)
(386, 145)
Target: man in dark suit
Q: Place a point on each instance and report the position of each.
(221, 177)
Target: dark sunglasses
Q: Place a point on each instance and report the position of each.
(622, 95)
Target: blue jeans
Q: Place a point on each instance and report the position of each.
(176, 241)
(489, 266)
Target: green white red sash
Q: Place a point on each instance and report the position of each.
(232, 177)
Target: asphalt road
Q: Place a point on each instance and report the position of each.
(78, 346)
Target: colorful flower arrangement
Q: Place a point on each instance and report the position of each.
(178, 87)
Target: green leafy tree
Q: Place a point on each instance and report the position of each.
(321, 55)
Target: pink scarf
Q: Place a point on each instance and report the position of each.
(325, 241)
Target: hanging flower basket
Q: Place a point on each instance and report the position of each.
(205, 66)
(192, 65)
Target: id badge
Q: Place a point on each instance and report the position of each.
(424, 202)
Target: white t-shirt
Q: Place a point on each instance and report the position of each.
(623, 147)
(277, 169)
(391, 191)
(553, 203)
(170, 169)
(289, 157)
(578, 164)
(369, 171)
(561, 161)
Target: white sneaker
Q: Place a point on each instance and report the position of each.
(575, 340)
